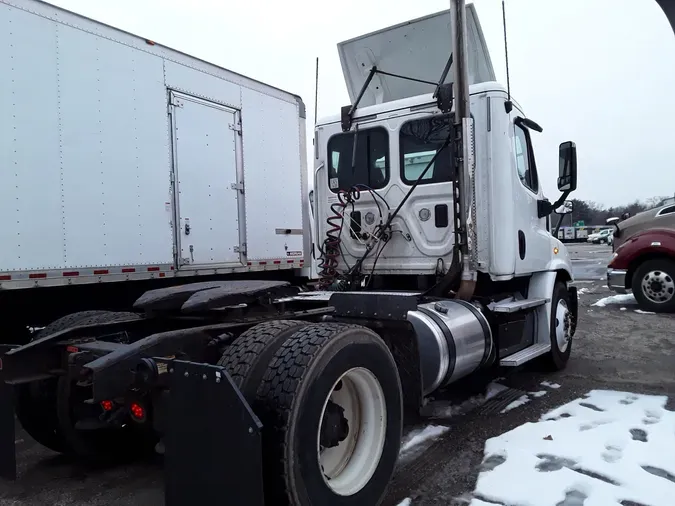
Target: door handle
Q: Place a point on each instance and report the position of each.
(187, 227)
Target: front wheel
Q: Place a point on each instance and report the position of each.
(561, 328)
(653, 285)
(331, 399)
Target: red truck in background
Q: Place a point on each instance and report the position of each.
(645, 264)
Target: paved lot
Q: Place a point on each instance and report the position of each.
(614, 349)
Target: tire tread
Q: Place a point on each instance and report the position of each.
(242, 358)
(278, 390)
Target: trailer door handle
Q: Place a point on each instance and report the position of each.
(187, 227)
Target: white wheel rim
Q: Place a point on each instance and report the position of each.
(658, 286)
(562, 325)
(349, 466)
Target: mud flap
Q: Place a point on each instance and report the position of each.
(574, 303)
(213, 440)
(7, 428)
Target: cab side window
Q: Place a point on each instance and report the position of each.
(527, 171)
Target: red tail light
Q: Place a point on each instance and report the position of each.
(107, 405)
(137, 412)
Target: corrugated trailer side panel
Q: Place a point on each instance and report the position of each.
(90, 129)
(31, 234)
(115, 153)
(90, 147)
(274, 196)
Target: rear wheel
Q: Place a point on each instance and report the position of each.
(331, 407)
(36, 401)
(247, 358)
(653, 285)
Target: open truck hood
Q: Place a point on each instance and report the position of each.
(419, 48)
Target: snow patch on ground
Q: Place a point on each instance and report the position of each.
(606, 448)
(548, 384)
(644, 312)
(620, 298)
(582, 291)
(541, 393)
(520, 401)
(405, 502)
(622, 309)
(417, 437)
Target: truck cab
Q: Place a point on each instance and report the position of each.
(396, 130)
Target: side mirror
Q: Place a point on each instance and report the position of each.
(567, 168)
(566, 208)
(612, 220)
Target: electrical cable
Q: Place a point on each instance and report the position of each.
(357, 266)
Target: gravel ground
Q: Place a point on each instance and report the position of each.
(613, 349)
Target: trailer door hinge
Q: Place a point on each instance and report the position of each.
(236, 127)
(176, 102)
(237, 186)
(240, 249)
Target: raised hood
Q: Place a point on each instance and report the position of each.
(419, 48)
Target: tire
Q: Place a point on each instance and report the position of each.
(653, 285)
(317, 361)
(100, 445)
(559, 355)
(36, 401)
(246, 360)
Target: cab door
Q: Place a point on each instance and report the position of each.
(532, 238)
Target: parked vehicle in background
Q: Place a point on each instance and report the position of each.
(661, 216)
(645, 264)
(604, 236)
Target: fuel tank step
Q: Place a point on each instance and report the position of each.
(513, 306)
(525, 355)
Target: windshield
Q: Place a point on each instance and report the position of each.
(369, 167)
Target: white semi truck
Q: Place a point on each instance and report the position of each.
(434, 259)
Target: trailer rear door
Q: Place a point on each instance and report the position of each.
(205, 182)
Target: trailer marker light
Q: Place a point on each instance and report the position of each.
(5, 278)
(137, 412)
(72, 349)
(107, 405)
(37, 275)
(100, 272)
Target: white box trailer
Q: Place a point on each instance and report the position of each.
(121, 159)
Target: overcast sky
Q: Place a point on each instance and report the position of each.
(599, 72)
